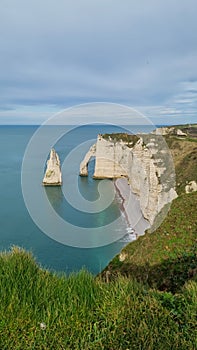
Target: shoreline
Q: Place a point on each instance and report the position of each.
(130, 205)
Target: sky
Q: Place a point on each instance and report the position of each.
(139, 53)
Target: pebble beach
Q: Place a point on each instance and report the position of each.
(137, 224)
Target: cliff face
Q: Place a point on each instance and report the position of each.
(143, 161)
(84, 164)
(169, 131)
(53, 176)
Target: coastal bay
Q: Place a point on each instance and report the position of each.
(17, 227)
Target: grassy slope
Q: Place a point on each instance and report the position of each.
(184, 154)
(81, 312)
(166, 258)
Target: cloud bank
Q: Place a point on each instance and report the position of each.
(57, 54)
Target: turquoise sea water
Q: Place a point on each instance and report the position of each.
(16, 225)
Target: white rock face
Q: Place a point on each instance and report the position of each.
(191, 187)
(53, 174)
(112, 159)
(180, 133)
(144, 166)
(122, 256)
(169, 131)
(163, 131)
(84, 164)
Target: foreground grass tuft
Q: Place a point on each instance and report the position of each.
(41, 310)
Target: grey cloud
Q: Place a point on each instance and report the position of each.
(138, 53)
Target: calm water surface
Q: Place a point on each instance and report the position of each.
(17, 227)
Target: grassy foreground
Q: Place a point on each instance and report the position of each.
(40, 310)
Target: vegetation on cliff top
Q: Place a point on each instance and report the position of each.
(184, 153)
(129, 139)
(40, 310)
(189, 129)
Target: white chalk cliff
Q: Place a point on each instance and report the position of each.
(84, 164)
(144, 161)
(53, 176)
(169, 131)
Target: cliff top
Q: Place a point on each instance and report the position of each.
(188, 131)
(183, 149)
(129, 139)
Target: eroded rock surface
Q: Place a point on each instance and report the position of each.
(146, 164)
(53, 176)
(191, 187)
(169, 131)
(84, 164)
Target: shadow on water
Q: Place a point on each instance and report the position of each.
(55, 196)
(88, 188)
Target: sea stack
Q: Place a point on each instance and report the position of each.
(53, 175)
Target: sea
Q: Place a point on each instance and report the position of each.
(18, 226)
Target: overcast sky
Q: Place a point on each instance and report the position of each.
(55, 54)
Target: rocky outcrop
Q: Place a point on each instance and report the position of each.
(144, 162)
(191, 187)
(169, 131)
(53, 176)
(179, 132)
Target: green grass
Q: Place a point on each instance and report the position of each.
(166, 258)
(83, 312)
(185, 159)
(186, 170)
(130, 139)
